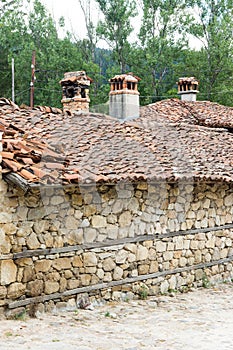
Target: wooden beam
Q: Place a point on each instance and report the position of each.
(112, 243)
(17, 180)
(41, 299)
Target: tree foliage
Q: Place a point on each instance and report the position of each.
(213, 26)
(159, 55)
(116, 27)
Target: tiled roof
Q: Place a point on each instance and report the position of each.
(171, 140)
(203, 113)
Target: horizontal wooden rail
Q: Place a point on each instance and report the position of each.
(100, 286)
(111, 243)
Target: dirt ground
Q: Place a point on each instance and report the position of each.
(201, 319)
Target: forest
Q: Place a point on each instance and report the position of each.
(160, 52)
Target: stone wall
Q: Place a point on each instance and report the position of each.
(56, 243)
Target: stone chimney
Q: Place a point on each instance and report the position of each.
(75, 91)
(188, 89)
(124, 96)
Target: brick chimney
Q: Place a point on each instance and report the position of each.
(124, 96)
(188, 89)
(75, 91)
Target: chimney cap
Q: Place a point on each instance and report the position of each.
(128, 77)
(187, 80)
(77, 76)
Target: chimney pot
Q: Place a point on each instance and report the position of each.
(188, 89)
(124, 96)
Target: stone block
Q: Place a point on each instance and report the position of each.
(224, 253)
(133, 205)
(9, 229)
(51, 287)
(90, 235)
(154, 267)
(85, 279)
(199, 274)
(100, 274)
(228, 200)
(124, 194)
(179, 208)
(112, 231)
(143, 186)
(53, 276)
(125, 219)
(168, 255)
(172, 282)
(43, 265)
(121, 256)
(77, 199)
(99, 221)
(194, 244)
(210, 243)
(16, 290)
(5, 245)
(32, 241)
(117, 206)
(41, 226)
(56, 200)
(161, 246)
(109, 264)
(182, 262)
(142, 253)
(91, 270)
(5, 218)
(63, 284)
(143, 269)
(62, 264)
(118, 273)
(75, 237)
(3, 292)
(28, 274)
(71, 223)
(58, 242)
(48, 239)
(35, 288)
(77, 261)
(164, 287)
(89, 259)
(89, 210)
(24, 230)
(68, 274)
(72, 284)
(36, 213)
(8, 272)
(24, 262)
(131, 247)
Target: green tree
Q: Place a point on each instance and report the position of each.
(212, 25)
(88, 45)
(116, 27)
(22, 32)
(162, 42)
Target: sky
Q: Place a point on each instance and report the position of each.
(71, 11)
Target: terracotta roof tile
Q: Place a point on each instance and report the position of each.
(171, 140)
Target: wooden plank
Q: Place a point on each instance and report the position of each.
(112, 243)
(17, 180)
(128, 280)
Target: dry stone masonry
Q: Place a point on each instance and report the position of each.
(110, 240)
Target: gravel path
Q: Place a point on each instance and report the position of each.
(202, 319)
